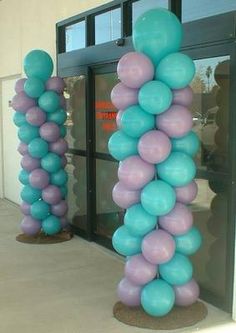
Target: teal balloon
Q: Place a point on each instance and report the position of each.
(38, 148)
(157, 298)
(178, 169)
(125, 243)
(39, 64)
(177, 271)
(121, 145)
(59, 178)
(24, 177)
(63, 130)
(27, 133)
(64, 191)
(157, 33)
(39, 210)
(189, 243)
(135, 121)
(155, 97)
(51, 225)
(138, 221)
(19, 119)
(34, 87)
(176, 70)
(51, 162)
(158, 198)
(188, 144)
(30, 194)
(49, 101)
(58, 117)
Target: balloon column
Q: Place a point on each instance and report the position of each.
(40, 115)
(155, 146)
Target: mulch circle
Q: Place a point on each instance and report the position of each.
(179, 317)
(41, 238)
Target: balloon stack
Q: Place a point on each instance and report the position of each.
(155, 146)
(40, 115)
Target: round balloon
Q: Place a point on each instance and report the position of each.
(34, 87)
(64, 191)
(154, 146)
(59, 147)
(62, 130)
(125, 243)
(40, 210)
(175, 122)
(158, 247)
(155, 97)
(123, 97)
(19, 86)
(49, 101)
(38, 63)
(188, 144)
(186, 294)
(121, 145)
(189, 242)
(178, 169)
(56, 84)
(157, 298)
(38, 148)
(118, 118)
(129, 293)
(30, 194)
(183, 96)
(176, 70)
(178, 221)
(29, 163)
(62, 101)
(58, 117)
(27, 133)
(51, 225)
(21, 102)
(25, 208)
(35, 116)
(134, 69)
(24, 177)
(186, 194)
(177, 271)
(22, 148)
(138, 221)
(139, 271)
(59, 178)
(39, 178)
(30, 226)
(52, 194)
(157, 33)
(19, 119)
(51, 162)
(125, 197)
(49, 131)
(134, 173)
(135, 121)
(59, 209)
(158, 198)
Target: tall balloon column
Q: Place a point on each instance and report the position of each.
(155, 146)
(40, 115)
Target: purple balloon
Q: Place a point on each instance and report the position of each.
(186, 294)
(60, 147)
(21, 102)
(19, 86)
(29, 163)
(25, 208)
(186, 194)
(134, 69)
(62, 101)
(64, 222)
(39, 178)
(56, 84)
(59, 209)
(183, 96)
(135, 173)
(139, 271)
(22, 148)
(175, 122)
(122, 96)
(30, 226)
(129, 293)
(118, 118)
(36, 116)
(124, 197)
(178, 221)
(63, 161)
(50, 131)
(154, 146)
(51, 194)
(158, 247)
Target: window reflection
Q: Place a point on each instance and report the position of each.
(75, 36)
(108, 26)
